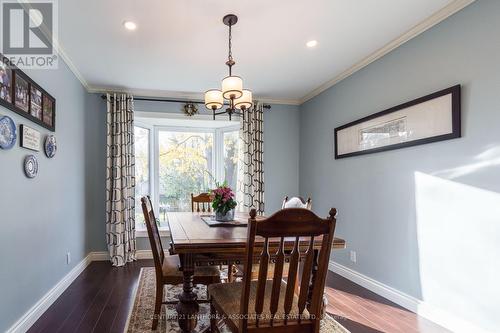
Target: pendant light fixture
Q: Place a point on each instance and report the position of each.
(239, 99)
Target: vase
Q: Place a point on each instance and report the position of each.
(221, 217)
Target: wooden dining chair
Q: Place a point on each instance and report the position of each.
(296, 202)
(202, 200)
(167, 267)
(271, 305)
(293, 202)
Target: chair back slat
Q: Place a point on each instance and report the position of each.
(320, 279)
(261, 284)
(300, 225)
(278, 275)
(153, 234)
(292, 276)
(306, 276)
(201, 203)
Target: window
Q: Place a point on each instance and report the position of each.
(231, 142)
(174, 161)
(185, 162)
(142, 174)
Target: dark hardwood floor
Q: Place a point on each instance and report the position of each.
(99, 300)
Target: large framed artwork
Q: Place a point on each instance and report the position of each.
(431, 118)
(19, 93)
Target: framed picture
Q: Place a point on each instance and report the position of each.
(5, 82)
(19, 93)
(49, 105)
(30, 138)
(36, 102)
(431, 118)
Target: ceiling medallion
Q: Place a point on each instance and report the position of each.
(239, 99)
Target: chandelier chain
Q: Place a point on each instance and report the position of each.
(230, 55)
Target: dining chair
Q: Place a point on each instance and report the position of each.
(294, 202)
(167, 267)
(202, 200)
(271, 305)
(297, 202)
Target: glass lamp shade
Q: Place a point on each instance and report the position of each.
(213, 99)
(232, 87)
(245, 101)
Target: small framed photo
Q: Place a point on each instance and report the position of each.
(5, 81)
(36, 102)
(21, 92)
(49, 115)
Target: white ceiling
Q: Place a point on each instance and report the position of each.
(180, 47)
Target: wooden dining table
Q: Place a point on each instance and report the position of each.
(199, 244)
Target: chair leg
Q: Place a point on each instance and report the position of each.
(230, 273)
(213, 319)
(158, 303)
(316, 325)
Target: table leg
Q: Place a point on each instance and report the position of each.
(187, 308)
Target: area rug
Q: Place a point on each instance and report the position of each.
(140, 316)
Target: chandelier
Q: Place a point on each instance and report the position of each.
(238, 99)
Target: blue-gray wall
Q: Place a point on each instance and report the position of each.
(44, 218)
(423, 220)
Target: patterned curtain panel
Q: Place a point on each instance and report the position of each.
(120, 180)
(250, 193)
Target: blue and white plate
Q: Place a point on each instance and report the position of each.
(8, 133)
(30, 166)
(50, 146)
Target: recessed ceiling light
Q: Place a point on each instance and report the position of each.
(312, 43)
(129, 25)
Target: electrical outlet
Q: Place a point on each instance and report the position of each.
(353, 256)
(68, 258)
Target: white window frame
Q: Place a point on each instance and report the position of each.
(217, 160)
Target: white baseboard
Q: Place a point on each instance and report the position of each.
(428, 311)
(36, 311)
(99, 256)
(139, 254)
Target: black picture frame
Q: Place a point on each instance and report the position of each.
(17, 73)
(455, 92)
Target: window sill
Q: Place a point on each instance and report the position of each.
(143, 233)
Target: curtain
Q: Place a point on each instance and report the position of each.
(120, 179)
(250, 192)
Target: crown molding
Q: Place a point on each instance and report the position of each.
(426, 24)
(72, 67)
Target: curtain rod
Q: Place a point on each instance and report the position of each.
(265, 106)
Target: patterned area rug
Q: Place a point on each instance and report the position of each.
(140, 318)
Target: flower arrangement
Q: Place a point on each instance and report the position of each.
(223, 202)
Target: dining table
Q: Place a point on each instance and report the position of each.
(197, 244)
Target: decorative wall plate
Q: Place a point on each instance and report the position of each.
(8, 133)
(50, 146)
(30, 166)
